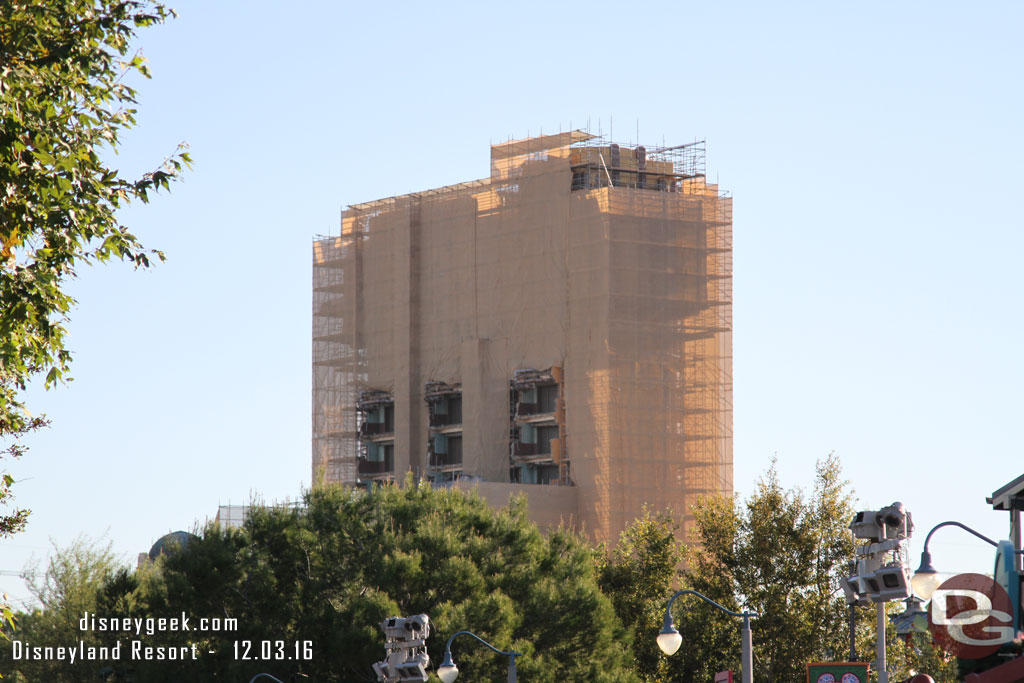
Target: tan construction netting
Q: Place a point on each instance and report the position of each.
(608, 262)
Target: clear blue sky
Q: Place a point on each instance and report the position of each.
(874, 150)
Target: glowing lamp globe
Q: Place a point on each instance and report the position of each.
(924, 583)
(669, 640)
(447, 672)
(926, 579)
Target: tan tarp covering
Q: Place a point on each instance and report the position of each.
(628, 290)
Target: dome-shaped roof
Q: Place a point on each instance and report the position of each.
(175, 539)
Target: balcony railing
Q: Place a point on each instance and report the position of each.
(370, 467)
(438, 421)
(443, 460)
(374, 429)
(527, 408)
(519, 448)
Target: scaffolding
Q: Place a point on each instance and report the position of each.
(336, 366)
(608, 262)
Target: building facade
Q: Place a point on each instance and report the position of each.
(562, 328)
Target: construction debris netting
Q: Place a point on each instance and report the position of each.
(612, 263)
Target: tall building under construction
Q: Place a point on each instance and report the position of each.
(562, 328)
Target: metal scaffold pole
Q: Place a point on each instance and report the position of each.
(883, 674)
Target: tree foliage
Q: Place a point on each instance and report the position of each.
(780, 553)
(332, 570)
(791, 553)
(70, 585)
(64, 102)
(638, 575)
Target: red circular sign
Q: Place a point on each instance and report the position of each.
(970, 616)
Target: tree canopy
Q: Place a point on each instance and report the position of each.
(781, 553)
(65, 99)
(314, 581)
(330, 571)
(639, 574)
(71, 584)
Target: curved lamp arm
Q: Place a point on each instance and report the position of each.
(962, 526)
(926, 578)
(669, 626)
(448, 645)
(447, 671)
(708, 600)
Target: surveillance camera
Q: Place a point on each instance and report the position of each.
(895, 520)
(419, 624)
(414, 669)
(892, 515)
(851, 589)
(407, 628)
(865, 525)
(890, 583)
(407, 658)
(892, 522)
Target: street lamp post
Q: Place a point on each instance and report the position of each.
(448, 672)
(669, 639)
(926, 578)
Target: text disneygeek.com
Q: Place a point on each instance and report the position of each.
(152, 625)
(136, 649)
